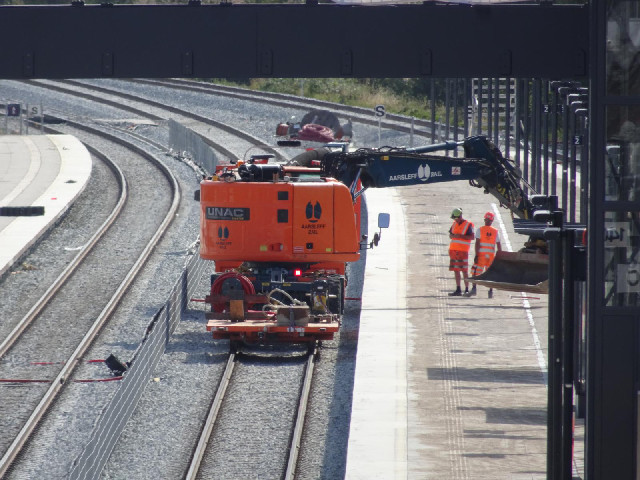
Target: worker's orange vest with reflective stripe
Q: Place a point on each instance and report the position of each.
(460, 243)
(487, 247)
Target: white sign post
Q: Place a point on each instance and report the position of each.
(33, 111)
(380, 113)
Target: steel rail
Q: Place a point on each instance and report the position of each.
(67, 370)
(296, 437)
(205, 435)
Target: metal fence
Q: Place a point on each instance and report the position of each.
(542, 125)
(189, 144)
(122, 405)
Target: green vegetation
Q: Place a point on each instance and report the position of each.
(409, 97)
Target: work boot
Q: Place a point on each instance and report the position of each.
(457, 293)
(473, 291)
(466, 292)
(490, 294)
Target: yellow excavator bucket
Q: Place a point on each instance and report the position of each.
(516, 272)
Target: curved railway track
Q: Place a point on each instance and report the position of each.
(215, 129)
(39, 305)
(219, 133)
(52, 310)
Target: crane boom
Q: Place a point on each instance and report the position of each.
(483, 166)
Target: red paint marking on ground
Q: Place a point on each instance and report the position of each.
(58, 363)
(28, 380)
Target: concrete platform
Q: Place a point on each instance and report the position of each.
(37, 170)
(445, 387)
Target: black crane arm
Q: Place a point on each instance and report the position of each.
(483, 166)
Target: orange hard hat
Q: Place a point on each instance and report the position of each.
(489, 216)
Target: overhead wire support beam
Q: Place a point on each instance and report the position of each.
(294, 40)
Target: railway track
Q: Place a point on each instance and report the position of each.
(41, 326)
(13, 336)
(208, 454)
(218, 133)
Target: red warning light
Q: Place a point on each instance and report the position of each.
(297, 272)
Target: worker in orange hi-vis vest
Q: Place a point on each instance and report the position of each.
(487, 241)
(461, 235)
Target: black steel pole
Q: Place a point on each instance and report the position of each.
(466, 103)
(554, 141)
(545, 137)
(527, 123)
(579, 349)
(568, 314)
(584, 165)
(490, 108)
(535, 133)
(480, 106)
(433, 111)
(507, 118)
(447, 109)
(565, 147)
(553, 236)
(496, 113)
(573, 152)
(455, 112)
(518, 116)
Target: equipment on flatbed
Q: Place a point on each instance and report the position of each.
(281, 235)
(319, 126)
